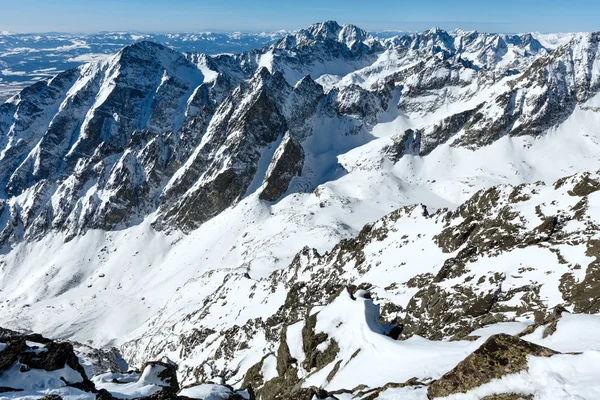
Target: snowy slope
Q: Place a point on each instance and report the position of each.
(198, 206)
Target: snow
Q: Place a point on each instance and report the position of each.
(86, 58)
(574, 333)
(36, 348)
(269, 368)
(132, 386)
(106, 288)
(36, 379)
(209, 74)
(553, 40)
(354, 325)
(210, 392)
(407, 393)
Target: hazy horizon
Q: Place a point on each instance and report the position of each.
(156, 16)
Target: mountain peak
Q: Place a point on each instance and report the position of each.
(332, 31)
(145, 48)
(436, 31)
(324, 30)
(173, 62)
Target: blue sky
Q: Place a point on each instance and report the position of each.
(258, 15)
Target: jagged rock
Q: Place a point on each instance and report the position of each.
(509, 396)
(448, 313)
(251, 119)
(316, 358)
(165, 394)
(372, 394)
(57, 356)
(161, 371)
(550, 324)
(141, 147)
(51, 356)
(309, 394)
(287, 163)
(407, 144)
(585, 295)
(500, 355)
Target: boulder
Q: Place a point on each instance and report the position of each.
(500, 355)
(161, 371)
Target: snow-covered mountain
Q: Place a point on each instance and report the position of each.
(27, 58)
(278, 217)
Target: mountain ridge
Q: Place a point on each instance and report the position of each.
(204, 207)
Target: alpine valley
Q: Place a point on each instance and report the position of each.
(333, 216)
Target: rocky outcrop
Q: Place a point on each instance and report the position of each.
(35, 352)
(466, 278)
(287, 163)
(509, 396)
(500, 355)
(161, 371)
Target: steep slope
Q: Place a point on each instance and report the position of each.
(115, 141)
(77, 163)
(199, 207)
(26, 58)
(509, 253)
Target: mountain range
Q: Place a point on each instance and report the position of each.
(333, 215)
(26, 58)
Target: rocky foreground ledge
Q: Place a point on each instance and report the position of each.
(32, 366)
(35, 367)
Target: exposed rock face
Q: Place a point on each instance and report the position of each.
(161, 371)
(500, 355)
(253, 119)
(39, 353)
(287, 164)
(466, 278)
(583, 294)
(106, 145)
(285, 385)
(508, 396)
